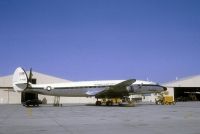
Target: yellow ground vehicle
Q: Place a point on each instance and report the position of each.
(168, 100)
(165, 100)
(115, 101)
(108, 102)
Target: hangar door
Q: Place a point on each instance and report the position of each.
(187, 94)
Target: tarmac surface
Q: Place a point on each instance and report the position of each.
(182, 118)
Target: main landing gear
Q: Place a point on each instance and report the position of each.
(56, 102)
(115, 102)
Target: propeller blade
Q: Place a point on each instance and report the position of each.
(30, 76)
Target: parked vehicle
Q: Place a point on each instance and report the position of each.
(34, 102)
(165, 100)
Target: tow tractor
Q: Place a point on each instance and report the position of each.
(164, 99)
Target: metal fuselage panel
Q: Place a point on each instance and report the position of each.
(85, 89)
(78, 92)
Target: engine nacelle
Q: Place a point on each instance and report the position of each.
(20, 80)
(130, 89)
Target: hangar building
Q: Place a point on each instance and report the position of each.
(8, 96)
(186, 89)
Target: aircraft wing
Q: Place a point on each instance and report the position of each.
(117, 91)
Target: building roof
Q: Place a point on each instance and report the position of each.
(6, 81)
(191, 81)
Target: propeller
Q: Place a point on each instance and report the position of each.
(30, 76)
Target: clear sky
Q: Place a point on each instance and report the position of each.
(76, 40)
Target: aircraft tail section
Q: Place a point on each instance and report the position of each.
(20, 80)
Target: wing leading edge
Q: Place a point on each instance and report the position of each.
(117, 91)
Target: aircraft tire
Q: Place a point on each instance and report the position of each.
(98, 103)
(109, 103)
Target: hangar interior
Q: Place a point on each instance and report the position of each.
(187, 93)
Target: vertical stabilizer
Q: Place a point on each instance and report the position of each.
(20, 80)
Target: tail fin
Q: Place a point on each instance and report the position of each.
(20, 80)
